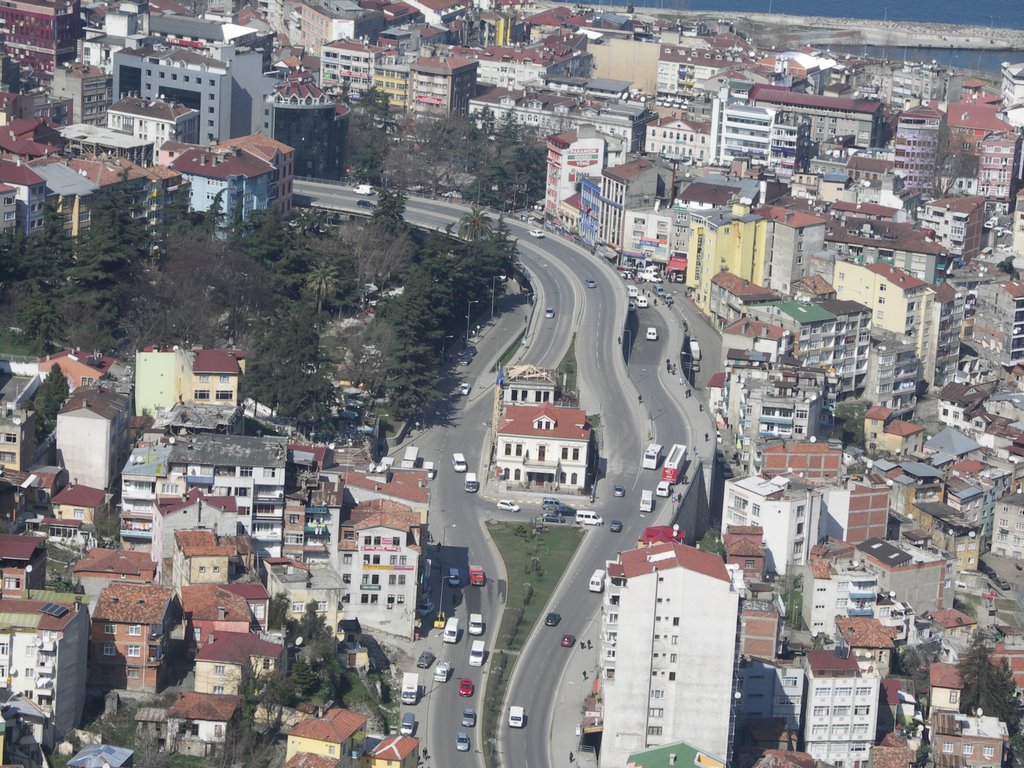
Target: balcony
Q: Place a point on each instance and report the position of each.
(766, 419)
(137, 533)
(48, 646)
(269, 493)
(861, 592)
(198, 479)
(369, 587)
(267, 534)
(860, 611)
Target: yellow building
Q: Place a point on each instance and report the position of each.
(79, 502)
(899, 302)
(723, 240)
(391, 77)
(945, 684)
(395, 752)
(219, 665)
(199, 559)
(893, 437)
(337, 734)
(165, 377)
(950, 530)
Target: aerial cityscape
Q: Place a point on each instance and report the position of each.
(503, 384)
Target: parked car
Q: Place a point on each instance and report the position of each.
(508, 506)
(618, 491)
(551, 517)
(425, 660)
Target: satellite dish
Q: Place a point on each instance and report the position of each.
(980, 711)
(170, 440)
(16, 420)
(298, 641)
(28, 569)
(892, 594)
(814, 633)
(331, 446)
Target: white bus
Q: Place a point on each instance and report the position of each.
(651, 456)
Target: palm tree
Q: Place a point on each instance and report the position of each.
(475, 224)
(322, 283)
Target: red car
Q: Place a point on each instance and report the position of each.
(465, 687)
(568, 641)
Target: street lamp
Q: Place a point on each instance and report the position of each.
(469, 306)
(493, 279)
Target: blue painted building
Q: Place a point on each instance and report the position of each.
(244, 181)
(590, 209)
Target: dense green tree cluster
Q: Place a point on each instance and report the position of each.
(988, 683)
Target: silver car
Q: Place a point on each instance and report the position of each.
(461, 742)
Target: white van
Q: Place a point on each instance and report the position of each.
(663, 489)
(652, 333)
(597, 581)
(472, 484)
(632, 291)
(459, 462)
(364, 189)
(476, 624)
(642, 302)
(646, 501)
(411, 459)
(586, 517)
(451, 630)
(516, 717)
(477, 651)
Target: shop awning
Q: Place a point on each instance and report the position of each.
(676, 264)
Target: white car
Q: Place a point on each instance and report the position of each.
(508, 506)
(549, 312)
(537, 233)
(642, 302)
(442, 671)
(464, 389)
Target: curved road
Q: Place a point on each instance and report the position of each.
(548, 681)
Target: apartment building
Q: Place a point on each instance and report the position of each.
(675, 138)
(442, 86)
(507, 66)
(897, 244)
(921, 576)
(830, 117)
(312, 520)
(736, 300)
(165, 377)
(998, 333)
(550, 112)
(131, 626)
(900, 303)
(956, 223)
(918, 132)
(378, 559)
(305, 118)
(89, 89)
(741, 131)
(348, 64)
(224, 665)
(674, 612)
(729, 239)
(633, 185)
(304, 584)
(1008, 536)
(981, 740)
(29, 192)
(173, 515)
(840, 709)
(41, 35)
(543, 446)
(684, 72)
(43, 657)
(893, 373)
(324, 21)
(790, 239)
(999, 169)
(93, 436)
(1012, 83)
(154, 120)
(788, 511)
(843, 588)
(17, 433)
(770, 690)
(571, 155)
(948, 309)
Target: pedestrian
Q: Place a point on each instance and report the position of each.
(584, 674)
(581, 645)
(681, 384)
(589, 645)
(571, 757)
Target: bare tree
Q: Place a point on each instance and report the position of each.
(953, 161)
(377, 256)
(362, 354)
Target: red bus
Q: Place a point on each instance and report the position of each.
(673, 466)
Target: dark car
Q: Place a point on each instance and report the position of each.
(564, 510)
(551, 517)
(568, 641)
(616, 526)
(425, 660)
(365, 204)
(552, 620)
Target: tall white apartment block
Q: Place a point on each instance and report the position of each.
(840, 710)
(674, 613)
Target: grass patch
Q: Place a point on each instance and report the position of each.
(187, 761)
(968, 604)
(534, 564)
(14, 343)
(594, 419)
(794, 601)
(849, 423)
(510, 351)
(568, 367)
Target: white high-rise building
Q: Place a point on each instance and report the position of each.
(840, 709)
(673, 611)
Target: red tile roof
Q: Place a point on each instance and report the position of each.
(133, 603)
(943, 675)
(948, 618)
(170, 506)
(826, 661)
(1015, 288)
(717, 381)
(395, 748)
(248, 591)
(19, 547)
(212, 164)
(384, 513)
(821, 569)
(335, 727)
(789, 217)
(878, 413)
(655, 534)
(216, 707)
(774, 94)
(865, 632)
(238, 648)
(409, 485)
(745, 548)
(201, 544)
(116, 562)
(218, 361)
(569, 423)
(975, 117)
(751, 328)
(896, 276)
(901, 428)
(204, 601)
(637, 562)
(310, 760)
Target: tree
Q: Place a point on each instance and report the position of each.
(277, 614)
(1006, 266)
(988, 682)
(51, 395)
(952, 163)
(712, 542)
(322, 284)
(362, 355)
(303, 677)
(475, 224)
(389, 215)
(312, 625)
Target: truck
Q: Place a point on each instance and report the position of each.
(476, 624)
(477, 577)
(652, 455)
(412, 457)
(410, 688)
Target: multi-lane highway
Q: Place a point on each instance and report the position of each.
(544, 680)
